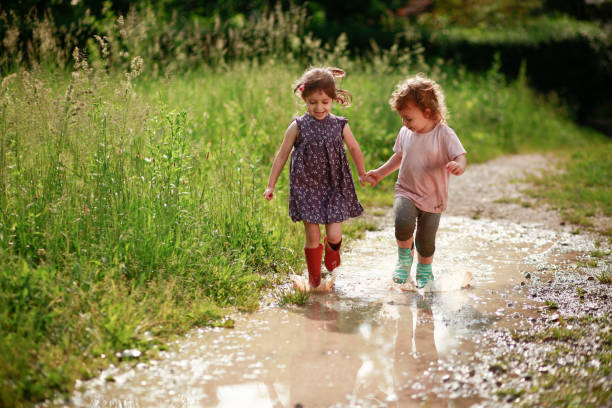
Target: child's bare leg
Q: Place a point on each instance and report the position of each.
(426, 260)
(334, 232)
(405, 244)
(313, 235)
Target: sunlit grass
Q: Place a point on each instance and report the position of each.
(583, 188)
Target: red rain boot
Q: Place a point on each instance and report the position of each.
(313, 261)
(332, 258)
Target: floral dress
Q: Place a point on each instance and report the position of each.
(321, 189)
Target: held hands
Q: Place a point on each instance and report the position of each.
(372, 177)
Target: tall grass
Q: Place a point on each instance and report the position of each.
(131, 204)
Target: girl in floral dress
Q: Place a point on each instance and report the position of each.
(321, 189)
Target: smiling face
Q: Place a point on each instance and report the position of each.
(415, 119)
(319, 104)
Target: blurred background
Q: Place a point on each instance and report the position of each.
(563, 46)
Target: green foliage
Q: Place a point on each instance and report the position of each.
(526, 32)
(479, 13)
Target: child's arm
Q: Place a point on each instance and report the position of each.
(281, 159)
(374, 176)
(457, 166)
(355, 152)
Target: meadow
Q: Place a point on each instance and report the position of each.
(132, 203)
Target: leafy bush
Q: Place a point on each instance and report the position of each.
(570, 57)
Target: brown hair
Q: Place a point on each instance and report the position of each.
(424, 93)
(323, 79)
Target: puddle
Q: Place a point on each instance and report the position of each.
(366, 344)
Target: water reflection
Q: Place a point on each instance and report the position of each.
(366, 344)
(374, 347)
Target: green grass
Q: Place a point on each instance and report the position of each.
(583, 189)
(576, 384)
(605, 276)
(288, 297)
(132, 208)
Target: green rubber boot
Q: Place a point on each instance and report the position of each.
(404, 262)
(423, 275)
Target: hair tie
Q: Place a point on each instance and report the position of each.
(301, 87)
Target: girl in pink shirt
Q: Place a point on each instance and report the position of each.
(426, 152)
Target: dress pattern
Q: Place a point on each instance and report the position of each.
(321, 188)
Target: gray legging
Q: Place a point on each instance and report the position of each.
(406, 216)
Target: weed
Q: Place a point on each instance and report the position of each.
(599, 253)
(292, 297)
(604, 276)
(550, 305)
(507, 200)
(509, 394)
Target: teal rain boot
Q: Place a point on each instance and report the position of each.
(404, 262)
(423, 275)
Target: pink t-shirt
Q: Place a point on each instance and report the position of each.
(423, 178)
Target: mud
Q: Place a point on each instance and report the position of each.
(369, 343)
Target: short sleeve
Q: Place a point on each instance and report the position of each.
(398, 147)
(454, 148)
(342, 121)
(298, 121)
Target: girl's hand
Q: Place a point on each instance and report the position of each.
(454, 168)
(363, 179)
(269, 193)
(373, 177)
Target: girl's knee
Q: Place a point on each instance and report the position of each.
(426, 249)
(333, 232)
(334, 238)
(403, 234)
(404, 228)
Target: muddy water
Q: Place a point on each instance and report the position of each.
(368, 343)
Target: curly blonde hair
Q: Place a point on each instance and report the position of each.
(424, 93)
(324, 79)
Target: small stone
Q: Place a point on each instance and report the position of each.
(131, 353)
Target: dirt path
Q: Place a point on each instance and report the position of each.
(477, 192)
(493, 190)
(370, 344)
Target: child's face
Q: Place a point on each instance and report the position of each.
(319, 104)
(415, 119)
